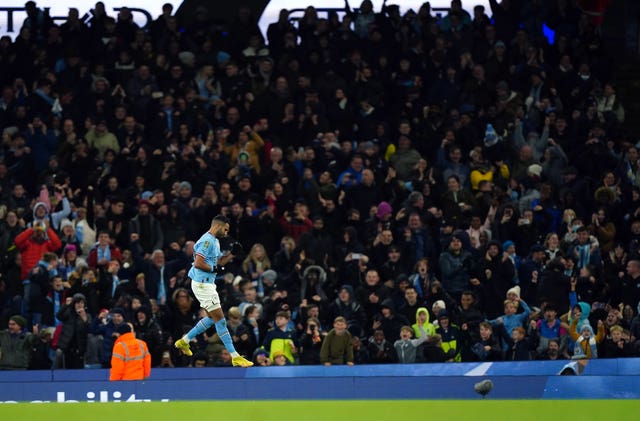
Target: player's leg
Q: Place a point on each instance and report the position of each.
(223, 332)
(205, 294)
(208, 297)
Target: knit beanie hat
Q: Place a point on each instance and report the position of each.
(514, 290)
(19, 320)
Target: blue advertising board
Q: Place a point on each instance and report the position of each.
(601, 379)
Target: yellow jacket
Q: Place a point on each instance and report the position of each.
(252, 148)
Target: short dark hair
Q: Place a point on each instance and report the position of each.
(220, 219)
(284, 314)
(49, 257)
(469, 292)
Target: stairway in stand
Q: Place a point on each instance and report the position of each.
(627, 76)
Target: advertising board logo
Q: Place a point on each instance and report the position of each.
(91, 396)
(13, 13)
(296, 7)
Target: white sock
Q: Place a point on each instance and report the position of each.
(234, 355)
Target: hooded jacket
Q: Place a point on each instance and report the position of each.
(585, 347)
(318, 286)
(451, 341)
(151, 333)
(428, 328)
(55, 217)
(75, 331)
(585, 308)
(32, 250)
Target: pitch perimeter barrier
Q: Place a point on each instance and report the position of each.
(601, 379)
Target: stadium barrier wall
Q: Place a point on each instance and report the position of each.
(601, 379)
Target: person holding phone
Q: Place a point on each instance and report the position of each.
(311, 342)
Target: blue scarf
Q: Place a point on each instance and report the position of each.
(104, 254)
(49, 100)
(583, 255)
(57, 297)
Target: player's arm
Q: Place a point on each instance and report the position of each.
(223, 260)
(200, 263)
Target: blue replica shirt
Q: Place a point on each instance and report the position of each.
(208, 247)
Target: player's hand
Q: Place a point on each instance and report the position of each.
(236, 248)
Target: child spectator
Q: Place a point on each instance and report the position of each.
(311, 343)
(337, 347)
(360, 353)
(280, 338)
(261, 358)
(406, 347)
(518, 346)
(433, 352)
(451, 337)
(422, 326)
(616, 346)
(552, 352)
(280, 359)
(586, 344)
(381, 351)
(485, 348)
(510, 320)
(547, 329)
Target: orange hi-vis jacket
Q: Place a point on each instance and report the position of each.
(130, 359)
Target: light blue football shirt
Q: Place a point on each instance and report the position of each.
(208, 247)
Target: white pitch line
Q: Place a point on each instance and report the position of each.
(479, 370)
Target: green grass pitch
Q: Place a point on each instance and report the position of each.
(513, 410)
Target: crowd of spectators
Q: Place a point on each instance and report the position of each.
(407, 188)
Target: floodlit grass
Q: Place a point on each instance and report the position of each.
(452, 410)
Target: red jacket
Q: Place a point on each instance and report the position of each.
(130, 359)
(295, 229)
(31, 251)
(93, 256)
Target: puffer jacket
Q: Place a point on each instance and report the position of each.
(32, 251)
(15, 350)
